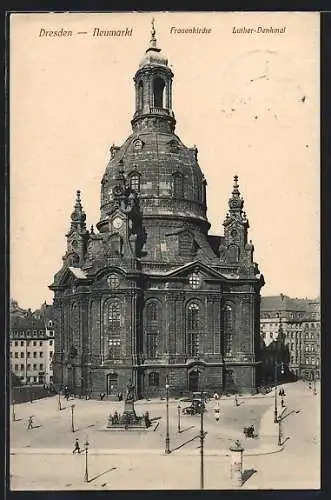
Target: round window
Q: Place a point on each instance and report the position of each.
(195, 280)
(113, 281)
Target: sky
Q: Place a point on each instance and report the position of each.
(249, 102)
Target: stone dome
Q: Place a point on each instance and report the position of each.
(153, 56)
(164, 172)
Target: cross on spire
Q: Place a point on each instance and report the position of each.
(153, 33)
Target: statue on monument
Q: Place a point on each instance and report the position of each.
(130, 391)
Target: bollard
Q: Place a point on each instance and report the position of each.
(236, 455)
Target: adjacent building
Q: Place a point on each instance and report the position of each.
(31, 345)
(150, 295)
(293, 324)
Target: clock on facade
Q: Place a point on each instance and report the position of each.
(138, 145)
(118, 222)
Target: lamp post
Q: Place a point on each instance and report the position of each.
(280, 433)
(72, 418)
(178, 423)
(275, 404)
(59, 400)
(13, 410)
(202, 437)
(314, 384)
(167, 440)
(86, 444)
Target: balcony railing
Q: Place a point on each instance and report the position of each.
(159, 111)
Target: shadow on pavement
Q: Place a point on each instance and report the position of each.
(247, 474)
(187, 429)
(185, 442)
(285, 440)
(288, 414)
(101, 474)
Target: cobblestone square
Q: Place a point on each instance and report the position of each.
(136, 459)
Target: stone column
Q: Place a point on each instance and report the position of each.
(236, 465)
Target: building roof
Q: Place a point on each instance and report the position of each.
(285, 303)
(78, 272)
(28, 320)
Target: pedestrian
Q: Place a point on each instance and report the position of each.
(216, 396)
(236, 400)
(76, 447)
(217, 410)
(102, 396)
(30, 423)
(282, 401)
(148, 423)
(66, 393)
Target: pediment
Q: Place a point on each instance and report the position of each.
(196, 267)
(68, 275)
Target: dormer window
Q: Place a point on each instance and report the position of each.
(134, 180)
(173, 146)
(138, 145)
(113, 150)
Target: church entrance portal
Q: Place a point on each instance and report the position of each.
(193, 381)
(112, 384)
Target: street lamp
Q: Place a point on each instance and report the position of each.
(178, 423)
(59, 400)
(13, 408)
(202, 437)
(86, 444)
(167, 440)
(281, 371)
(72, 418)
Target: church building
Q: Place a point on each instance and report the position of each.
(149, 296)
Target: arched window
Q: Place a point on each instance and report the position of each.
(193, 320)
(233, 254)
(140, 95)
(227, 328)
(158, 88)
(75, 325)
(152, 314)
(135, 182)
(113, 330)
(178, 186)
(152, 329)
(203, 192)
